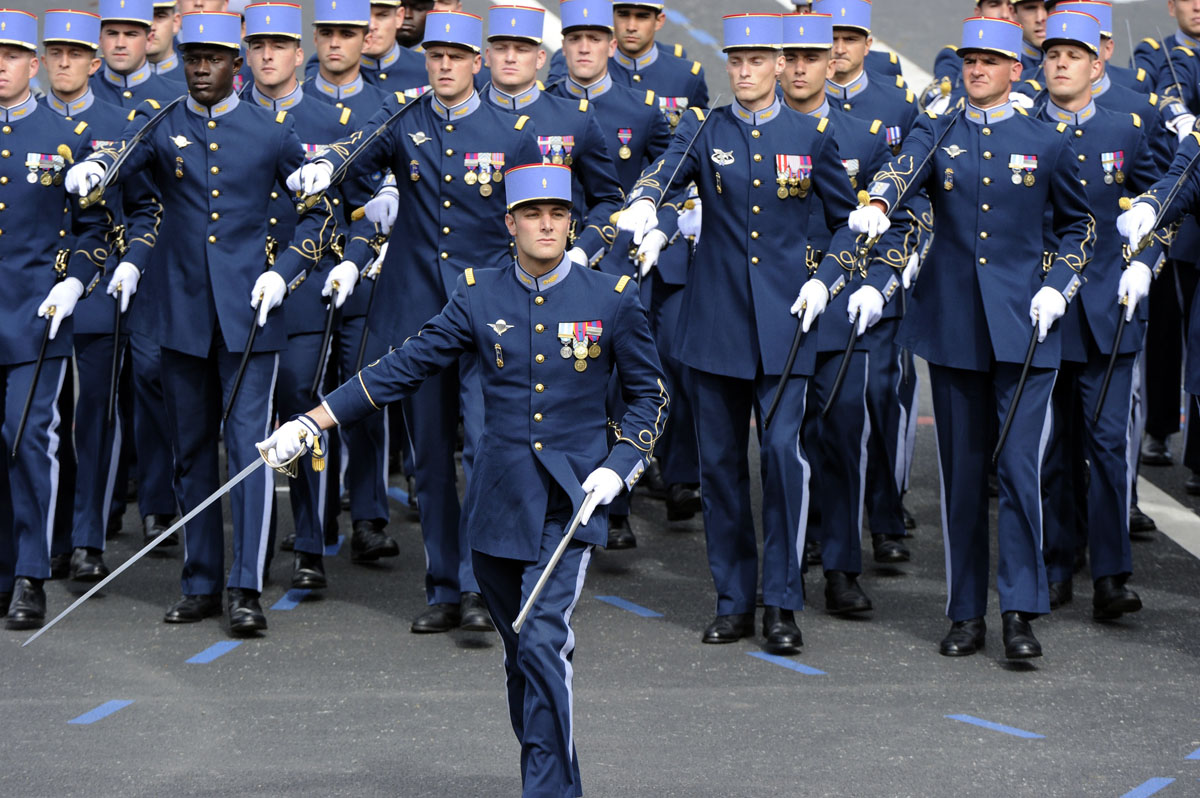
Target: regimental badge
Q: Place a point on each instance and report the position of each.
(953, 151)
(722, 157)
(500, 326)
(1023, 163)
(180, 141)
(414, 170)
(419, 137)
(625, 135)
(556, 149)
(1113, 164)
(948, 181)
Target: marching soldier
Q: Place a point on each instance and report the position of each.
(126, 78)
(947, 65)
(339, 32)
(1135, 78)
(71, 39)
(273, 33)
(746, 161)
(1031, 16)
(1114, 161)
(56, 255)
(203, 292)
(989, 167)
(447, 154)
(160, 43)
(384, 62)
(545, 456)
(639, 62)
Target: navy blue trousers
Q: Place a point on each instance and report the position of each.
(965, 403)
(723, 406)
(892, 409)
(97, 443)
(1105, 445)
(29, 482)
(538, 663)
(151, 435)
(195, 390)
(677, 449)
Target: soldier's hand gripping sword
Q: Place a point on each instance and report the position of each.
(590, 502)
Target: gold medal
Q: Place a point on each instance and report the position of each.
(853, 182)
(625, 153)
(58, 178)
(782, 193)
(1029, 179)
(568, 160)
(805, 184)
(594, 351)
(1120, 176)
(581, 366)
(470, 178)
(558, 159)
(46, 179)
(179, 174)
(485, 189)
(581, 350)
(498, 175)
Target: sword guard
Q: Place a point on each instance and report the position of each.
(92, 197)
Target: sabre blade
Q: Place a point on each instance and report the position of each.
(221, 491)
(554, 558)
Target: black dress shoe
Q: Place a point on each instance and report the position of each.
(438, 618)
(620, 536)
(155, 524)
(652, 484)
(683, 502)
(812, 551)
(1019, 642)
(308, 571)
(1061, 593)
(245, 613)
(475, 615)
(780, 629)
(27, 610)
(191, 609)
(369, 543)
(1155, 452)
(1192, 486)
(843, 594)
(87, 565)
(1141, 525)
(288, 543)
(909, 521)
(60, 565)
(964, 638)
(890, 549)
(1111, 599)
(729, 628)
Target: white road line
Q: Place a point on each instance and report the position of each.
(1174, 520)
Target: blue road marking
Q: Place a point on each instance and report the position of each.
(784, 662)
(332, 549)
(699, 34)
(290, 600)
(102, 711)
(215, 650)
(987, 724)
(636, 609)
(1148, 788)
(398, 494)
(1194, 754)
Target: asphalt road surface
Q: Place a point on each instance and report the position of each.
(337, 698)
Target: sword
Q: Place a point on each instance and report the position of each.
(1112, 362)
(221, 491)
(554, 558)
(1012, 406)
(1170, 62)
(37, 372)
(241, 372)
(1125, 203)
(322, 355)
(377, 242)
(116, 359)
(110, 174)
(843, 367)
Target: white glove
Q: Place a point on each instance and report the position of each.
(605, 485)
(651, 248)
(810, 302)
(376, 266)
(689, 220)
(869, 221)
(62, 298)
(125, 277)
(938, 105)
(1047, 307)
(1023, 100)
(1135, 223)
(578, 256)
(639, 218)
(83, 177)
(867, 304)
(911, 270)
(1134, 286)
(290, 441)
(1182, 125)
(271, 289)
(312, 178)
(345, 274)
(383, 207)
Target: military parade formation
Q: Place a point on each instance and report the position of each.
(601, 284)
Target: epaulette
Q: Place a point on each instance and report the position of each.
(1034, 85)
(345, 116)
(1187, 50)
(649, 98)
(469, 274)
(1152, 42)
(1154, 98)
(129, 117)
(678, 50)
(153, 103)
(899, 81)
(520, 125)
(951, 47)
(1062, 127)
(400, 97)
(1137, 120)
(1020, 110)
(583, 106)
(1141, 75)
(909, 97)
(931, 114)
(624, 281)
(695, 67)
(893, 58)
(82, 126)
(279, 117)
(824, 123)
(698, 112)
(1196, 136)
(541, 86)
(875, 126)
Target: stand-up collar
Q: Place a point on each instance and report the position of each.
(589, 92)
(851, 89)
(76, 106)
(134, 78)
(1032, 52)
(514, 102)
(384, 61)
(1186, 41)
(991, 116)
(168, 64)
(822, 111)
(351, 89)
(1072, 118)
(220, 109)
(284, 103)
(21, 110)
(637, 64)
(755, 118)
(464, 108)
(1102, 85)
(553, 277)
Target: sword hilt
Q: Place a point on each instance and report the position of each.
(92, 196)
(307, 202)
